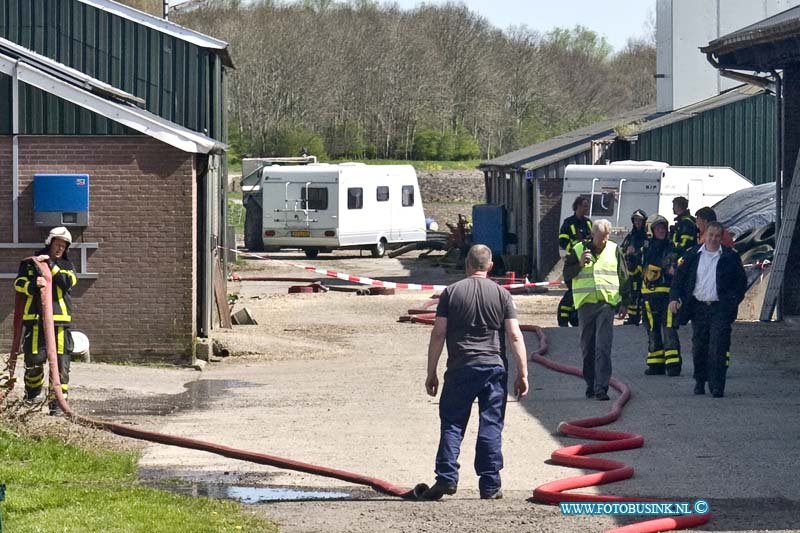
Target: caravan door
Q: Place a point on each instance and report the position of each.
(696, 193)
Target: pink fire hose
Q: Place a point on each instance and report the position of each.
(47, 320)
(552, 493)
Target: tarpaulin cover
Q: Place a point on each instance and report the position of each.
(746, 209)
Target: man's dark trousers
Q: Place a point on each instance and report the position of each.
(711, 340)
(489, 384)
(597, 335)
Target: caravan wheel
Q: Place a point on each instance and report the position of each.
(379, 250)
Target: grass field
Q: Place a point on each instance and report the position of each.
(52, 486)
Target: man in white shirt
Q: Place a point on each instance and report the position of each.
(709, 285)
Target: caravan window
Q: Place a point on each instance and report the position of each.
(317, 198)
(383, 194)
(355, 198)
(604, 203)
(408, 195)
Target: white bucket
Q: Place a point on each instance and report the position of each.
(80, 343)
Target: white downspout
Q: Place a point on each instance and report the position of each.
(15, 154)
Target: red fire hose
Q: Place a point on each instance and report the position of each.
(551, 493)
(575, 456)
(47, 320)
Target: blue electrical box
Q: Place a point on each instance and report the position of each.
(489, 227)
(61, 200)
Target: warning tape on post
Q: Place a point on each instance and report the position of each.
(376, 282)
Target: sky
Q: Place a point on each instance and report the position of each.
(616, 20)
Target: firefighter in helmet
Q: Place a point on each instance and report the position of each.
(30, 284)
(658, 266)
(632, 247)
(574, 229)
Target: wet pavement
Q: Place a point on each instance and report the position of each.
(198, 395)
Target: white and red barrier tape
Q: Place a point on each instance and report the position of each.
(380, 283)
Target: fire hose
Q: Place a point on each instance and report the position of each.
(553, 493)
(379, 485)
(550, 493)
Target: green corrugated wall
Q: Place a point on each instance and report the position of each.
(179, 81)
(740, 135)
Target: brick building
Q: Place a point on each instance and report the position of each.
(136, 103)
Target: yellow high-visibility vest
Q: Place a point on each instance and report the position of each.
(598, 281)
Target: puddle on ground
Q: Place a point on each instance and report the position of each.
(198, 395)
(247, 494)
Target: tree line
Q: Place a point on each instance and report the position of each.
(362, 80)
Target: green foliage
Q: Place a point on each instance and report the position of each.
(236, 211)
(466, 145)
(346, 140)
(426, 144)
(52, 486)
(434, 145)
(446, 147)
(293, 141)
(237, 145)
(581, 40)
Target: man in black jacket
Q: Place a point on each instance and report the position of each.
(574, 229)
(709, 285)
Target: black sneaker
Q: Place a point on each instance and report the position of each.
(437, 491)
(590, 391)
(654, 371)
(496, 495)
(602, 396)
(673, 372)
(716, 393)
(700, 387)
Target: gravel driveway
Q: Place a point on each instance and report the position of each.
(333, 379)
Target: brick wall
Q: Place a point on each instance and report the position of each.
(549, 222)
(142, 214)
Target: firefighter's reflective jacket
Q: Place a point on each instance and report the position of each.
(573, 231)
(64, 279)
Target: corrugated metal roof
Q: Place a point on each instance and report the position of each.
(130, 116)
(531, 156)
(776, 27)
(163, 26)
(63, 71)
(138, 54)
(569, 144)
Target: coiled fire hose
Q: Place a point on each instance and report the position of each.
(379, 485)
(575, 456)
(550, 493)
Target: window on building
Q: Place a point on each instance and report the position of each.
(355, 198)
(604, 203)
(383, 194)
(317, 198)
(408, 195)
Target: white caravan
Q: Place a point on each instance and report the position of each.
(322, 207)
(618, 189)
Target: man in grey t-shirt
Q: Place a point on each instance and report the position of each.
(472, 317)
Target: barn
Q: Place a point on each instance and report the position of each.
(125, 112)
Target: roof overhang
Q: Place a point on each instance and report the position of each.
(764, 46)
(130, 116)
